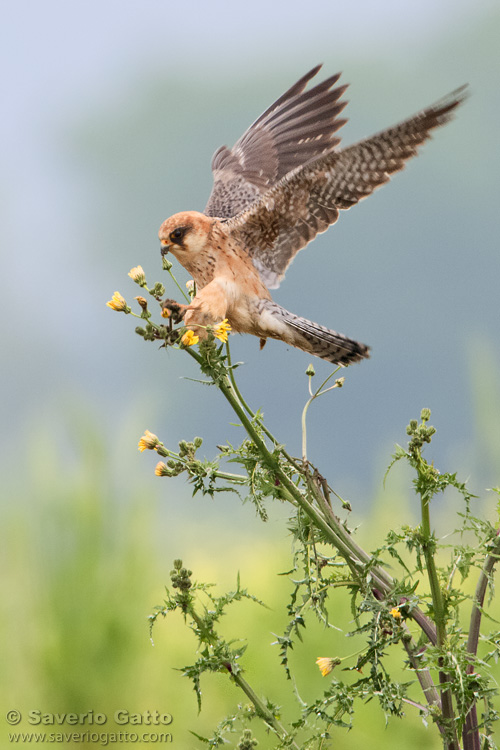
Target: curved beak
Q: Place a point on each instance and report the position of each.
(164, 249)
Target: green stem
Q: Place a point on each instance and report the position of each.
(440, 621)
(210, 638)
(436, 593)
(317, 393)
(234, 384)
(304, 429)
(182, 291)
(260, 706)
(235, 478)
(262, 709)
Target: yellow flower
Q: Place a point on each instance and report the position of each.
(221, 331)
(162, 470)
(396, 613)
(165, 313)
(117, 302)
(148, 441)
(326, 664)
(137, 274)
(189, 338)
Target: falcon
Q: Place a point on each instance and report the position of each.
(283, 182)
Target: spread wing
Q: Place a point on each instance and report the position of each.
(307, 200)
(298, 127)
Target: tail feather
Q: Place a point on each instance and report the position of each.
(318, 340)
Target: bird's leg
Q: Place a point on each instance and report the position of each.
(177, 311)
(208, 308)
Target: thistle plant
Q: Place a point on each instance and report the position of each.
(421, 611)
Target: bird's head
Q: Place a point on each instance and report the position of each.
(185, 235)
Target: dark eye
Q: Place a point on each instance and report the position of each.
(177, 234)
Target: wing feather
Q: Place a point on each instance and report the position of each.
(307, 200)
(296, 128)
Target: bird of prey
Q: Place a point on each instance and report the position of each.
(283, 182)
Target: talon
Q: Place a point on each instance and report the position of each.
(173, 310)
(262, 343)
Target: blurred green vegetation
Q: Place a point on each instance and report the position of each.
(86, 558)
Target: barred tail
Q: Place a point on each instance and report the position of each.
(318, 340)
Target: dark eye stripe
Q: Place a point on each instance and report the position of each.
(177, 234)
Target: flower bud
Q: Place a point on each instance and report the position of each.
(326, 664)
(118, 303)
(137, 274)
(162, 470)
(158, 290)
(148, 441)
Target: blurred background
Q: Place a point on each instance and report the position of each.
(111, 113)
